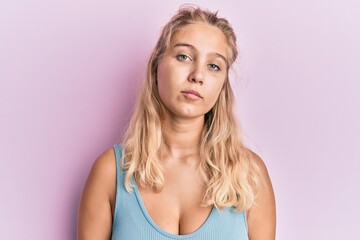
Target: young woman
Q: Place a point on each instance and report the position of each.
(182, 171)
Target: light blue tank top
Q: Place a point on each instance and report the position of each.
(131, 220)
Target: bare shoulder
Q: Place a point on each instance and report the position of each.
(104, 165)
(103, 173)
(264, 174)
(97, 200)
(261, 216)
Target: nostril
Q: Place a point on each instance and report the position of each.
(192, 79)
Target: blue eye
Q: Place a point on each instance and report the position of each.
(182, 57)
(214, 67)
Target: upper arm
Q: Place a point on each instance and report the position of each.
(261, 216)
(95, 210)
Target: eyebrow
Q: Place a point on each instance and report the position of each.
(193, 48)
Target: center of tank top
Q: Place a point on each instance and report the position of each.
(154, 224)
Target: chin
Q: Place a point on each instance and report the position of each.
(191, 115)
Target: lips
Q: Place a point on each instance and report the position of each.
(191, 93)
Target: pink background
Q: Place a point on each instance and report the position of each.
(69, 71)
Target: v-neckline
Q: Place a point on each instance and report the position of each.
(154, 224)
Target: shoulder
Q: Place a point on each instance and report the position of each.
(97, 200)
(105, 164)
(261, 216)
(257, 160)
(102, 177)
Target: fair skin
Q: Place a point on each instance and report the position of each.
(196, 60)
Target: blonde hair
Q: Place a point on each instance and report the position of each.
(226, 165)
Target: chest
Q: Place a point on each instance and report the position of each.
(177, 208)
(159, 221)
(131, 219)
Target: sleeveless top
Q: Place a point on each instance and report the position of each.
(131, 221)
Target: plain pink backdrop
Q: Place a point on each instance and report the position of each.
(69, 71)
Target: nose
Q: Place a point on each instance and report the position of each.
(196, 75)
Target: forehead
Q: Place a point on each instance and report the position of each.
(204, 37)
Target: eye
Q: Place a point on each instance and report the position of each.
(214, 67)
(182, 57)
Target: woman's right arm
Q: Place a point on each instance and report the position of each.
(97, 200)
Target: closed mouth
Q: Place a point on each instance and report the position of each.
(193, 92)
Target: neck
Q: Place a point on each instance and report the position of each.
(181, 137)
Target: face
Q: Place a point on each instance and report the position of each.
(192, 71)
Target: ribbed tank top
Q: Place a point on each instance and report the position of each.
(131, 221)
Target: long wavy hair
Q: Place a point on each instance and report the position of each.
(226, 165)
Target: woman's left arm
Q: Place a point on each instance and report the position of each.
(261, 217)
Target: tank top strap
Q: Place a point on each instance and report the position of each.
(119, 180)
(119, 171)
(118, 152)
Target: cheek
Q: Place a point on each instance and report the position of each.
(161, 72)
(215, 93)
(164, 82)
(169, 76)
